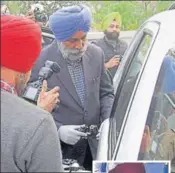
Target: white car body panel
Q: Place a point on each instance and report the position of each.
(163, 42)
(131, 138)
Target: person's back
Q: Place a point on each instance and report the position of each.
(28, 137)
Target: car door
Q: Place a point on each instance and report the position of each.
(47, 37)
(127, 122)
(126, 81)
(158, 137)
(127, 88)
(139, 108)
(137, 99)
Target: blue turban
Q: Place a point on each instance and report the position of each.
(168, 71)
(65, 22)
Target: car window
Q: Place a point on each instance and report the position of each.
(119, 108)
(46, 40)
(158, 141)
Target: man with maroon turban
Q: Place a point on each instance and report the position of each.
(129, 168)
(29, 139)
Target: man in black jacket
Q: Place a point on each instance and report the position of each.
(110, 43)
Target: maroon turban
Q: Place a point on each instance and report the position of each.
(20, 43)
(129, 168)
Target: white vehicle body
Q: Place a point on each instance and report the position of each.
(162, 29)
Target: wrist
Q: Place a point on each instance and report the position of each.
(107, 66)
(42, 107)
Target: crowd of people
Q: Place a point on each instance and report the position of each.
(85, 93)
(35, 138)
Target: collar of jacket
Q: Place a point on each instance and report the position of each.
(111, 43)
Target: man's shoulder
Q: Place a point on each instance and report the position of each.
(98, 42)
(94, 48)
(50, 47)
(50, 52)
(22, 111)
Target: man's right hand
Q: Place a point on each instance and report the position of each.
(69, 134)
(114, 61)
(48, 100)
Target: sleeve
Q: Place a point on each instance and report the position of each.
(106, 92)
(43, 151)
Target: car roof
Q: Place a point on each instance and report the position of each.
(165, 17)
(172, 7)
(167, 26)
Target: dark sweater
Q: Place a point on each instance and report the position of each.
(111, 51)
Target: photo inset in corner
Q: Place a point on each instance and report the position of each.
(131, 167)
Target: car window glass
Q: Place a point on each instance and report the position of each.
(141, 54)
(128, 87)
(158, 141)
(46, 40)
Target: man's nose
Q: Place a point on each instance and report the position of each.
(114, 29)
(79, 44)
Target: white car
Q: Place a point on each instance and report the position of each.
(142, 121)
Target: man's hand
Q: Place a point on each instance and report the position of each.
(48, 100)
(69, 134)
(114, 61)
(146, 140)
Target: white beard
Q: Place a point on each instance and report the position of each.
(70, 53)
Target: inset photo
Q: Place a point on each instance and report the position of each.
(131, 167)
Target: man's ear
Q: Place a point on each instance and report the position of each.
(23, 76)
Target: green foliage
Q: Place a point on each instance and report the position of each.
(22, 7)
(133, 13)
(14, 7)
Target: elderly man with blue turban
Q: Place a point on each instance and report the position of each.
(86, 94)
(110, 43)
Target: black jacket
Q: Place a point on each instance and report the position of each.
(110, 51)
